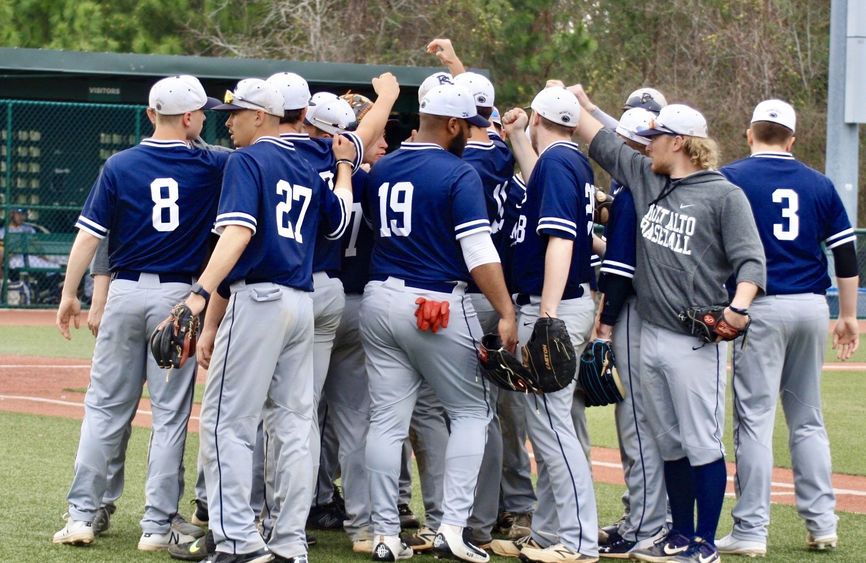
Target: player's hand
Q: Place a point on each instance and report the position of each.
(386, 86)
(582, 98)
(94, 317)
(196, 303)
(846, 337)
(508, 333)
(444, 51)
(603, 331)
(70, 307)
(736, 320)
(551, 82)
(343, 148)
(514, 121)
(204, 346)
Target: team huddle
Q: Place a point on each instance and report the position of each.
(345, 292)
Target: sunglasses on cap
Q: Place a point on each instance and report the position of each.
(645, 101)
(231, 97)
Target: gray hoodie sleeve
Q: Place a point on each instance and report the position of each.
(627, 166)
(605, 119)
(741, 240)
(99, 264)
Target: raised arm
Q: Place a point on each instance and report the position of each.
(444, 51)
(371, 127)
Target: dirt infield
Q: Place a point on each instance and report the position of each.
(36, 385)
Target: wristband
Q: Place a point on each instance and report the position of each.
(346, 160)
(199, 290)
(743, 311)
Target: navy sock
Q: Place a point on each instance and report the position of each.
(710, 481)
(680, 485)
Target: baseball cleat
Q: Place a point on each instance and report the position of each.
(390, 548)
(184, 528)
(616, 547)
(194, 551)
(521, 525)
(150, 541)
(663, 549)
(75, 532)
(554, 554)
(200, 516)
(699, 551)
(730, 545)
(512, 548)
(422, 540)
(407, 517)
(362, 546)
(822, 543)
(102, 518)
(605, 532)
(451, 544)
(262, 555)
(326, 517)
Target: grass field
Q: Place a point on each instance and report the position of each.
(37, 454)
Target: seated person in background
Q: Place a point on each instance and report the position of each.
(17, 261)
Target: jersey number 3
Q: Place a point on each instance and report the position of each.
(789, 211)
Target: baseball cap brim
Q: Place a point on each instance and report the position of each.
(656, 131)
(478, 121)
(230, 107)
(211, 103)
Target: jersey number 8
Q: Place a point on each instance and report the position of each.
(165, 204)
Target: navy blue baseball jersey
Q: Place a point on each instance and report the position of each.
(159, 200)
(283, 208)
(321, 157)
(514, 200)
(495, 165)
(795, 208)
(421, 200)
(357, 242)
(558, 203)
(620, 232)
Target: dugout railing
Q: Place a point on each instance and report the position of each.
(50, 155)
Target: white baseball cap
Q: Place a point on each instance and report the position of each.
(646, 98)
(776, 111)
(255, 94)
(435, 79)
(479, 86)
(558, 105)
(175, 95)
(332, 116)
(677, 119)
(633, 120)
(452, 101)
(293, 88)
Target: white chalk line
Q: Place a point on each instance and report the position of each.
(67, 403)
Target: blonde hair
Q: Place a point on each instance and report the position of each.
(703, 152)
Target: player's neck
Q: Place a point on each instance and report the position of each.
(478, 135)
(546, 138)
(168, 133)
(766, 147)
(296, 127)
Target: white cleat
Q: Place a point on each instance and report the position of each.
(822, 543)
(390, 548)
(160, 542)
(454, 543)
(729, 545)
(75, 532)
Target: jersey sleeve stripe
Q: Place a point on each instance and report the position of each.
(221, 225)
(620, 265)
(236, 215)
(558, 221)
(91, 227)
(341, 229)
(851, 238)
(607, 269)
(553, 227)
(359, 150)
(834, 240)
(481, 229)
(472, 224)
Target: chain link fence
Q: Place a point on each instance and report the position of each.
(50, 155)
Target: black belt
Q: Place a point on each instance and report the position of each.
(131, 275)
(569, 293)
(333, 274)
(442, 287)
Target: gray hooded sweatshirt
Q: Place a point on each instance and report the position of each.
(693, 234)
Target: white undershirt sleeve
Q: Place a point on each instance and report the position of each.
(478, 249)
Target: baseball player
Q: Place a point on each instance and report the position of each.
(646, 503)
(796, 209)
(551, 274)
(432, 233)
(148, 200)
(269, 213)
(696, 230)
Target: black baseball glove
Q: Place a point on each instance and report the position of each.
(708, 323)
(173, 340)
(501, 366)
(598, 376)
(549, 355)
